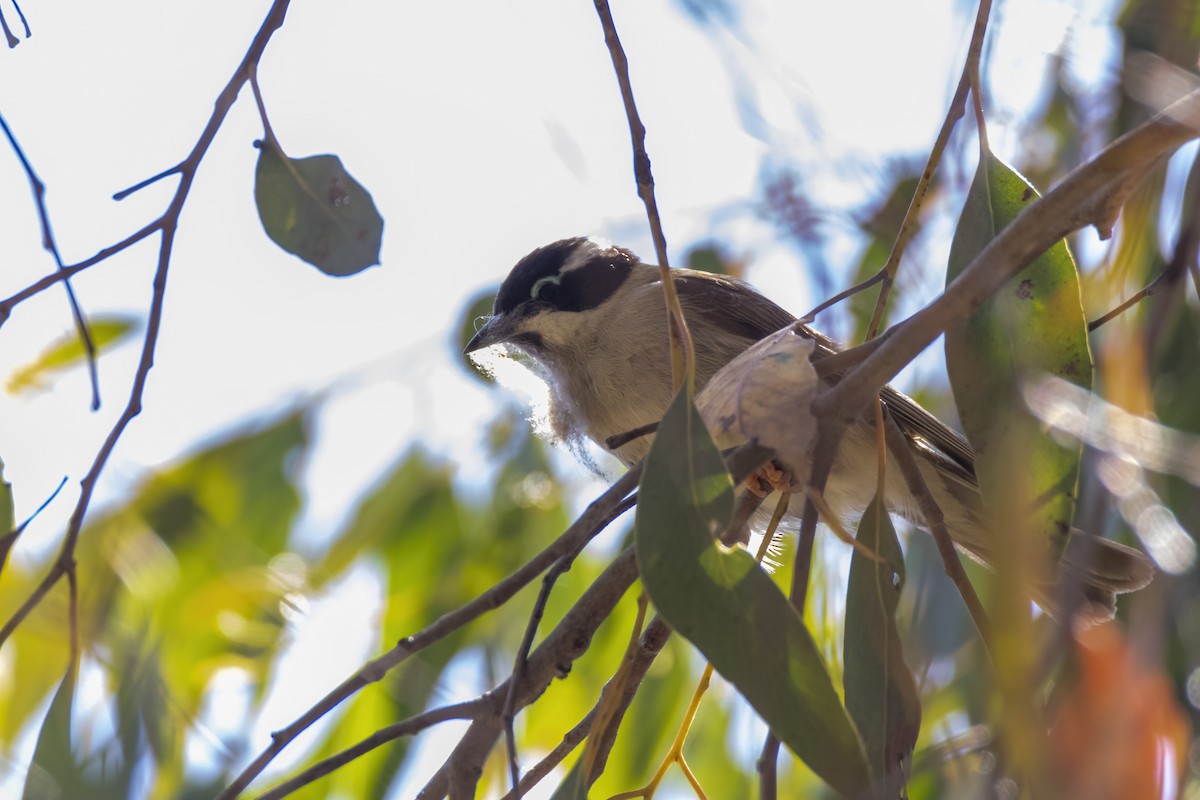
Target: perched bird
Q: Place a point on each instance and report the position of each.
(591, 317)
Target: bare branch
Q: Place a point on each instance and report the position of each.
(51, 246)
(597, 515)
(1092, 194)
(64, 563)
(969, 79)
(678, 334)
(407, 727)
(553, 658)
(898, 446)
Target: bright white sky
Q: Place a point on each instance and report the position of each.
(482, 129)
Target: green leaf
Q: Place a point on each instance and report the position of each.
(314, 209)
(8, 520)
(881, 695)
(54, 771)
(1032, 326)
(721, 600)
(479, 306)
(574, 787)
(67, 352)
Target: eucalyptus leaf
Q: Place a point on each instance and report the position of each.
(7, 518)
(574, 787)
(314, 209)
(68, 351)
(54, 772)
(881, 694)
(722, 601)
(1032, 326)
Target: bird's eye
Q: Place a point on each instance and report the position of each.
(545, 289)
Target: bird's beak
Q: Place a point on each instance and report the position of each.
(494, 331)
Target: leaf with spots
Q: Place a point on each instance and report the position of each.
(314, 209)
(1032, 326)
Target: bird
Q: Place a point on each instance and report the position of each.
(591, 321)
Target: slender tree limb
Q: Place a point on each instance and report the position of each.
(51, 246)
(1183, 257)
(968, 79)
(898, 445)
(881, 275)
(767, 767)
(10, 538)
(509, 711)
(678, 335)
(1092, 194)
(9, 303)
(599, 514)
(571, 739)
(64, 563)
(552, 658)
(407, 727)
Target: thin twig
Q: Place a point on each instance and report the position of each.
(1092, 194)
(510, 700)
(40, 285)
(811, 316)
(571, 739)
(619, 439)
(908, 227)
(10, 538)
(1183, 257)
(597, 515)
(535, 617)
(64, 563)
(51, 246)
(12, 41)
(407, 727)
(678, 334)
(898, 446)
(553, 657)
(768, 768)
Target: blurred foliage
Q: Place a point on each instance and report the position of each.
(106, 331)
(198, 571)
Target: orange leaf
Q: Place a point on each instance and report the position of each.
(1118, 733)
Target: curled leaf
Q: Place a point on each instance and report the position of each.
(764, 395)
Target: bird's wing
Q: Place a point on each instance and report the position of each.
(736, 308)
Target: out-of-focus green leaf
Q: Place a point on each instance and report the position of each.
(721, 601)
(477, 307)
(314, 209)
(881, 695)
(67, 352)
(8, 520)
(574, 786)
(189, 577)
(54, 771)
(1034, 325)
(712, 258)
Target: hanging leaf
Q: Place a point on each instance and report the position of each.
(720, 600)
(881, 695)
(314, 209)
(67, 352)
(1034, 325)
(54, 771)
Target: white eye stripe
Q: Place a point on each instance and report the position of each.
(549, 280)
